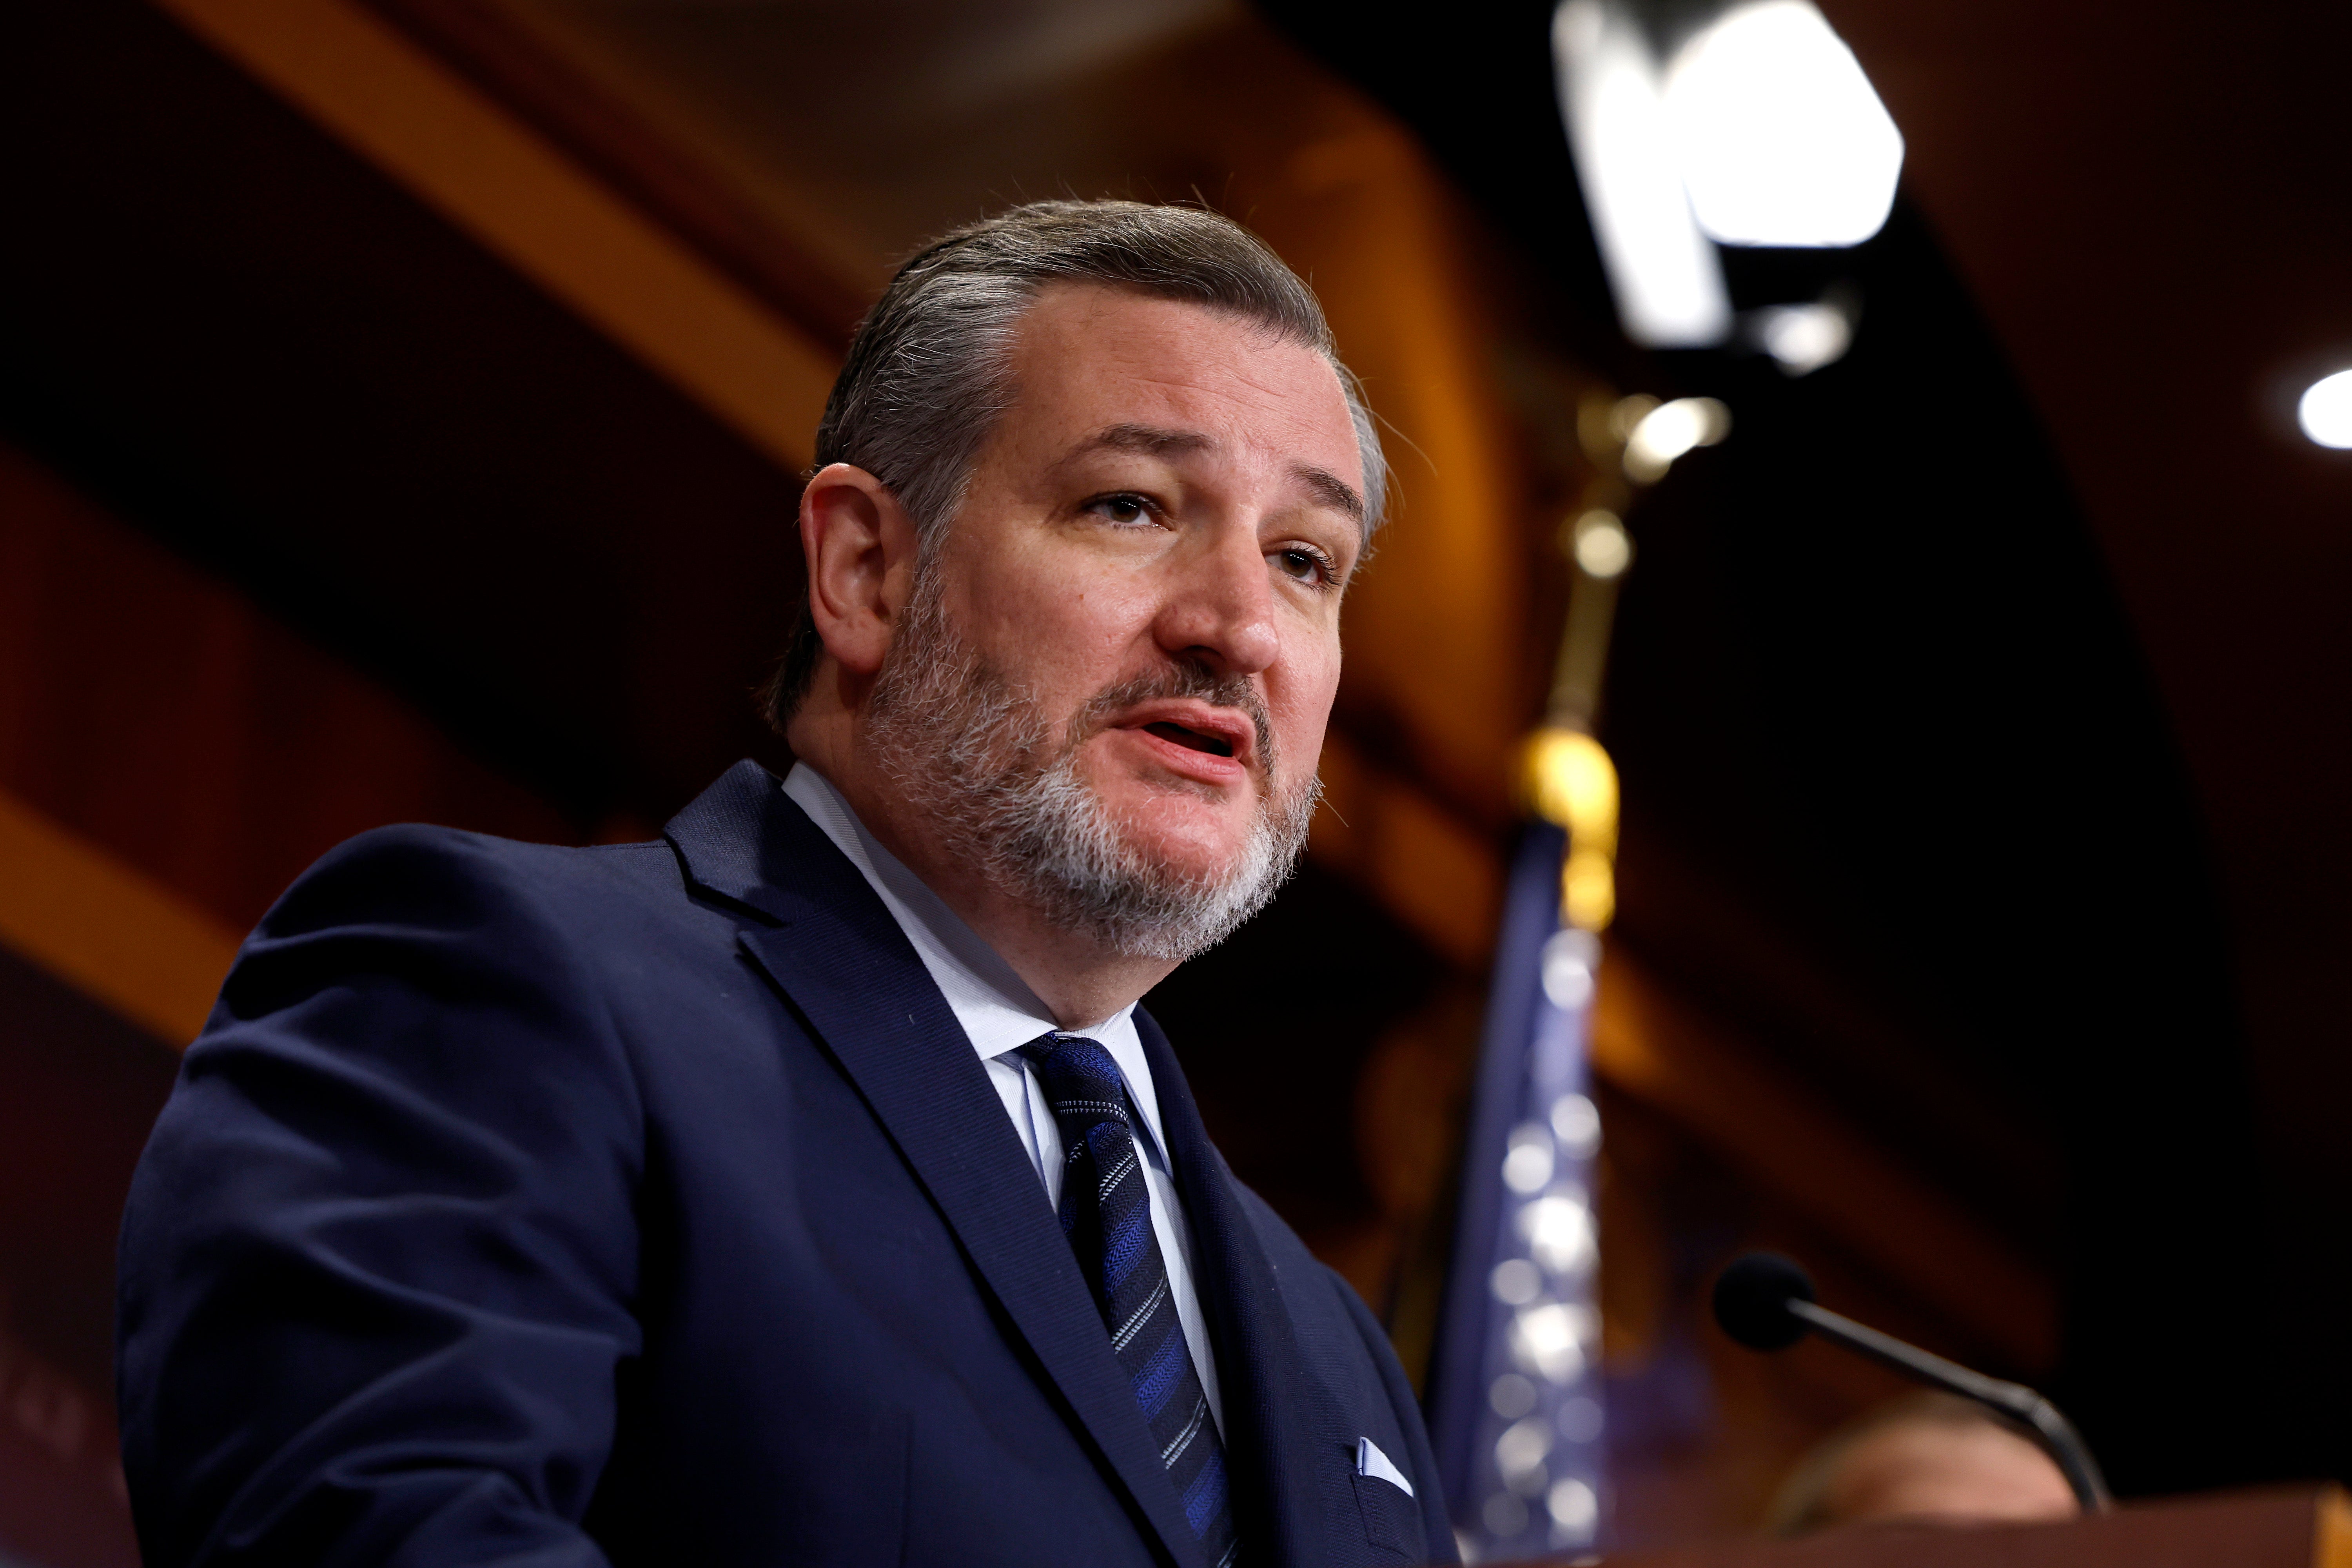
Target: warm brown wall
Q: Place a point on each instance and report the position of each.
(77, 1091)
(155, 712)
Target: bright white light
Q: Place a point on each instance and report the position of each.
(1519, 1454)
(2326, 411)
(1600, 544)
(1567, 973)
(1576, 1122)
(1778, 136)
(1573, 1507)
(1558, 1231)
(1548, 1341)
(1526, 1167)
(1805, 337)
(1671, 429)
(1664, 275)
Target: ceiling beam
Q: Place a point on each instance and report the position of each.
(111, 933)
(518, 194)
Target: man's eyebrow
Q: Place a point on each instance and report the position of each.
(1151, 440)
(1329, 489)
(1154, 441)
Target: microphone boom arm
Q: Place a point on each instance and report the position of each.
(2057, 1435)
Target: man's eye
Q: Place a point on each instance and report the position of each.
(1306, 566)
(1124, 509)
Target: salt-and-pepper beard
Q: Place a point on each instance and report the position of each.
(976, 755)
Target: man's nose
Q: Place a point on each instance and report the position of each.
(1220, 607)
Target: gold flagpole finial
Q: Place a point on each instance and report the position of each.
(1566, 777)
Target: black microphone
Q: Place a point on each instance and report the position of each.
(1766, 1302)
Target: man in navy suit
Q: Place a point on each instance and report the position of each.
(807, 1187)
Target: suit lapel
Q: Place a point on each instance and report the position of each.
(1267, 1402)
(852, 974)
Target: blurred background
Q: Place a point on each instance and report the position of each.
(402, 404)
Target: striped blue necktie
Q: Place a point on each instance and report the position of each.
(1107, 1214)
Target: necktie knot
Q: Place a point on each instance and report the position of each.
(1083, 1086)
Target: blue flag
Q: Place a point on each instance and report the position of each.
(1514, 1389)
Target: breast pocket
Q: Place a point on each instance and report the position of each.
(1391, 1519)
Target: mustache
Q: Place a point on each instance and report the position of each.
(1174, 682)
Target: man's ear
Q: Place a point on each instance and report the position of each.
(860, 545)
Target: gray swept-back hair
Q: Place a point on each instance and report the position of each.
(930, 371)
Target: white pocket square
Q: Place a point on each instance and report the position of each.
(1371, 1461)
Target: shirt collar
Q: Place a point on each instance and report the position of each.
(994, 1005)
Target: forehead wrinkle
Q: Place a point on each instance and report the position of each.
(1148, 440)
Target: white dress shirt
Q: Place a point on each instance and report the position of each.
(1000, 1014)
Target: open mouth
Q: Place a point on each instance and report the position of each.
(1191, 739)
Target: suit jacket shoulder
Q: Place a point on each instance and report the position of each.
(406, 1126)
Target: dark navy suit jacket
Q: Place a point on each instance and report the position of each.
(540, 1205)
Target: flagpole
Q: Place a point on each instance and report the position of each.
(1515, 1390)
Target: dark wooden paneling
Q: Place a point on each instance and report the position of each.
(253, 343)
(78, 1089)
(153, 710)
